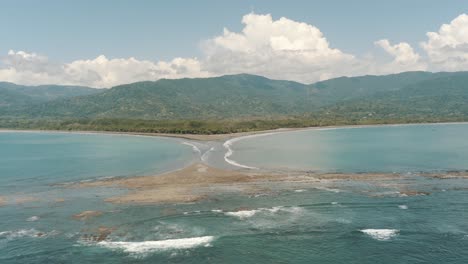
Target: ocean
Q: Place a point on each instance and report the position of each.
(339, 222)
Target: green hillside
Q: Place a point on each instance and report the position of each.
(14, 96)
(238, 103)
(236, 96)
(443, 97)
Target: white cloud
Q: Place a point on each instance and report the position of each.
(405, 59)
(447, 49)
(103, 72)
(279, 49)
(32, 69)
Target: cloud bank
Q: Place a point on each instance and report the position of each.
(279, 49)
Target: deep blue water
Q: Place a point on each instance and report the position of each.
(337, 222)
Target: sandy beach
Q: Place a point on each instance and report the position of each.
(219, 137)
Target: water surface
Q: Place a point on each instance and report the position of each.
(405, 148)
(335, 222)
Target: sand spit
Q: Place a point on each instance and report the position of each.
(223, 137)
(199, 181)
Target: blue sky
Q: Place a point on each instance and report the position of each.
(64, 31)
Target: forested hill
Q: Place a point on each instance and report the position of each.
(234, 96)
(12, 95)
(391, 98)
(444, 97)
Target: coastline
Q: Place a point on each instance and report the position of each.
(221, 137)
(199, 182)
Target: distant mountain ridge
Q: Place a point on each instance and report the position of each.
(245, 96)
(13, 95)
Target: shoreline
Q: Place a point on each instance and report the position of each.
(200, 182)
(221, 137)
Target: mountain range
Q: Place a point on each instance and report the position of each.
(244, 96)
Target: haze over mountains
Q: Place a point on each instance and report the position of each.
(245, 96)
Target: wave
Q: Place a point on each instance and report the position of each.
(243, 214)
(160, 245)
(403, 207)
(32, 218)
(9, 235)
(195, 148)
(227, 145)
(203, 157)
(381, 234)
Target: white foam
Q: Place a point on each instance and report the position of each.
(195, 148)
(32, 218)
(300, 190)
(161, 245)
(328, 189)
(334, 203)
(381, 234)
(204, 156)
(216, 211)
(21, 233)
(227, 145)
(403, 206)
(243, 214)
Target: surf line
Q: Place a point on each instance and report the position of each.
(227, 145)
(195, 148)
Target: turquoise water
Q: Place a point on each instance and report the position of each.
(336, 222)
(31, 160)
(370, 149)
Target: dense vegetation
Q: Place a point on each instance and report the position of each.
(15, 96)
(202, 127)
(238, 103)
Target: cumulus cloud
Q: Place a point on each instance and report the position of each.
(405, 59)
(104, 72)
(282, 49)
(279, 49)
(32, 69)
(447, 49)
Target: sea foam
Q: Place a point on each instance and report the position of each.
(243, 214)
(195, 148)
(32, 218)
(9, 235)
(229, 151)
(160, 245)
(381, 234)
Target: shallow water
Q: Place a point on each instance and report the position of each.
(337, 222)
(404, 148)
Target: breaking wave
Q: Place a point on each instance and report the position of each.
(381, 234)
(243, 214)
(160, 245)
(10, 235)
(195, 148)
(227, 145)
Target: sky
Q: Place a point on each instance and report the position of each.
(110, 42)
